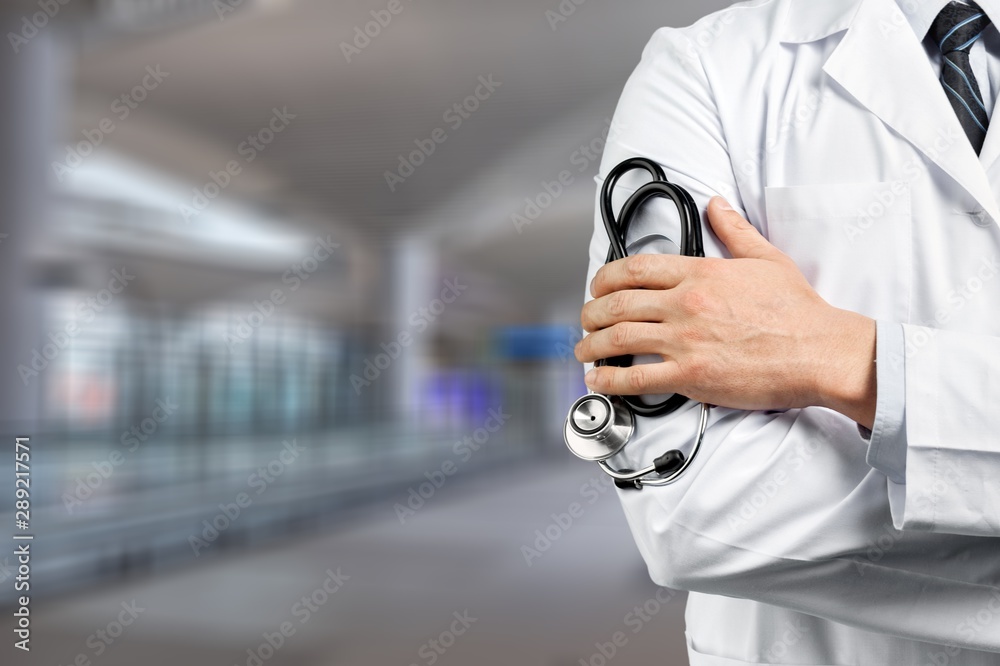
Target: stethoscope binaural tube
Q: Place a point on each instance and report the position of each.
(598, 427)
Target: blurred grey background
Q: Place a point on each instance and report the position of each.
(291, 289)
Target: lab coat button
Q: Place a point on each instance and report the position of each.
(980, 217)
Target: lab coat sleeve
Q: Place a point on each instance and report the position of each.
(951, 433)
(779, 507)
(887, 441)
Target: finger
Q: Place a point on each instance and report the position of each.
(645, 379)
(639, 305)
(641, 271)
(739, 236)
(625, 338)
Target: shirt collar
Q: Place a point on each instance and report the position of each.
(921, 13)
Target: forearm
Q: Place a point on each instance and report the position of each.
(847, 379)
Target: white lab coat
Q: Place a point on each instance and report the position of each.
(823, 122)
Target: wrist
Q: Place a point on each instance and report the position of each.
(847, 378)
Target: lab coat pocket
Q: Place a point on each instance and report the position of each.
(698, 658)
(852, 241)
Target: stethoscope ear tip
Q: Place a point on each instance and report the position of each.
(669, 462)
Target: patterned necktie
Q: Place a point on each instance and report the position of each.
(955, 30)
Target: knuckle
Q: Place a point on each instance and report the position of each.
(785, 259)
(618, 303)
(638, 267)
(637, 379)
(692, 302)
(689, 335)
(695, 371)
(621, 336)
(708, 267)
(695, 368)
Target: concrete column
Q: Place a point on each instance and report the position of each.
(30, 86)
(413, 274)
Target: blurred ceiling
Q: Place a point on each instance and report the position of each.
(354, 119)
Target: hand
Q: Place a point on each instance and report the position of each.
(748, 332)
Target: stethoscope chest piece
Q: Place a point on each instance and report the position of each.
(598, 427)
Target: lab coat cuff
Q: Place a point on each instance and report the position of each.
(887, 443)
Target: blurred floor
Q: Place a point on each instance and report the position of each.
(400, 586)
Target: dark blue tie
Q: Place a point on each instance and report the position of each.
(955, 30)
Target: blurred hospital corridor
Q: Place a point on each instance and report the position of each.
(292, 289)
(398, 586)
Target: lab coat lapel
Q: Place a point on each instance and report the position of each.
(880, 62)
(991, 149)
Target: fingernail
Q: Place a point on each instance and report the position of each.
(590, 377)
(722, 203)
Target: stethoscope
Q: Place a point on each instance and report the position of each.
(598, 426)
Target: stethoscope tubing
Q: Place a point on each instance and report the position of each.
(662, 472)
(639, 477)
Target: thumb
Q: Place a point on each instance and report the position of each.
(739, 236)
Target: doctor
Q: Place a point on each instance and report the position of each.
(851, 517)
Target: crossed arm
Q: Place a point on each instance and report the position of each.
(750, 333)
(725, 337)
